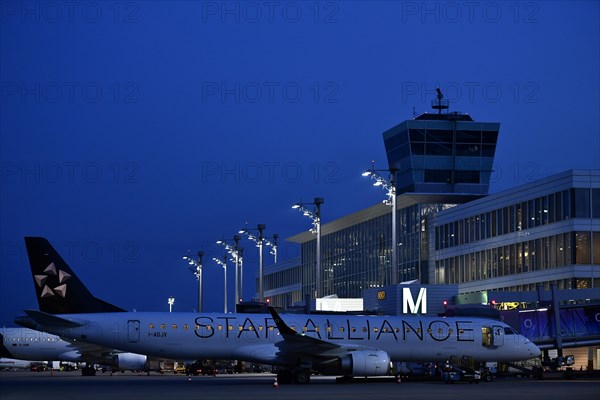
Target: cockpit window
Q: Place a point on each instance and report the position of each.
(508, 331)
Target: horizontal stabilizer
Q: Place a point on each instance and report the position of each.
(45, 319)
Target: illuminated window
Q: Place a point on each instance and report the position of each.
(375, 330)
(219, 327)
(174, 326)
(197, 327)
(185, 327)
(239, 328)
(151, 326)
(260, 327)
(342, 329)
(163, 326)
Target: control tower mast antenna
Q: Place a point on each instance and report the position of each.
(439, 104)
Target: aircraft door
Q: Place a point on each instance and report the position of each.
(498, 335)
(133, 331)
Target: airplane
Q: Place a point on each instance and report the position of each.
(12, 363)
(347, 345)
(31, 345)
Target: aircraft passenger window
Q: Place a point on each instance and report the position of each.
(197, 327)
(260, 327)
(163, 326)
(317, 329)
(450, 331)
(174, 326)
(239, 328)
(304, 329)
(151, 326)
(185, 327)
(342, 329)
(364, 329)
(375, 330)
(353, 329)
(219, 327)
(407, 330)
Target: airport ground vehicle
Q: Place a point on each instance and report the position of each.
(451, 374)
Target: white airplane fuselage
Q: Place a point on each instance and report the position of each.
(255, 337)
(29, 344)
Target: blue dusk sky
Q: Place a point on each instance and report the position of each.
(132, 132)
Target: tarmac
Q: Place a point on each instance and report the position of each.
(133, 386)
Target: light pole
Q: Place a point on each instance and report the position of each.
(234, 251)
(224, 264)
(315, 216)
(198, 274)
(259, 243)
(390, 187)
(273, 246)
(171, 301)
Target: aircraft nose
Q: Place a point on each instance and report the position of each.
(534, 350)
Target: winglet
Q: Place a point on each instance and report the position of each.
(282, 326)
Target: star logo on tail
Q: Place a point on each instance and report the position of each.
(53, 277)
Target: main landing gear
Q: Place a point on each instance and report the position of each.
(287, 376)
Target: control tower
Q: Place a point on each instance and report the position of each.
(443, 152)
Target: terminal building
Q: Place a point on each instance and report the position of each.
(509, 247)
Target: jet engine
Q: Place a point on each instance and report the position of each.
(366, 363)
(130, 361)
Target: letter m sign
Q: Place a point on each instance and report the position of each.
(409, 305)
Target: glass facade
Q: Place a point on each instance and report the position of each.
(555, 207)
(359, 256)
(475, 258)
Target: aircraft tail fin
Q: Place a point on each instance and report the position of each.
(58, 289)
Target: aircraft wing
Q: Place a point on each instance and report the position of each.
(297, 344)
